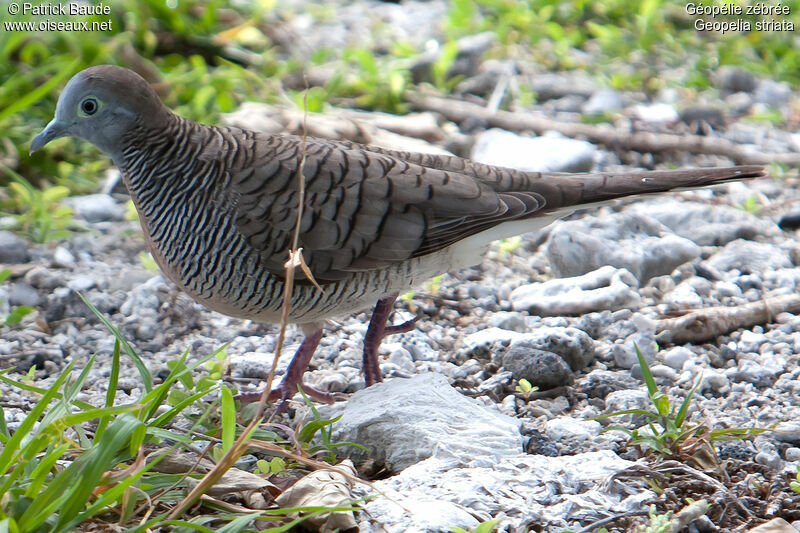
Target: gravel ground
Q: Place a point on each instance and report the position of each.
(484, 328)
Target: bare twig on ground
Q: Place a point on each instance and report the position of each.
(240, 446)
(706, 324)
(459, 110)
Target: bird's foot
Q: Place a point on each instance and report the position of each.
(376, 331)
(284, 392)
(405, 327)
(294, 376)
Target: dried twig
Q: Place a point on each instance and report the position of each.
(706, 324)
(240, 446)
(459, 110)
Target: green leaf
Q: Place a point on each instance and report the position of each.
(27, 425)
(684, 408)
(649, 380)
(111, 392)
(277, 465)
(662, 404)
(17, 314)
(144, 373)
(487, 527)
(34, 96)
(228, 408)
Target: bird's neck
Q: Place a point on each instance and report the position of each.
(159, 159)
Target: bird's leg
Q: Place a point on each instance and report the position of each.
(294, 374)
(376, 331)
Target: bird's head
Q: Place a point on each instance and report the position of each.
(100, 105)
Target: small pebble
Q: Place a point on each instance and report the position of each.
(63, 258)
(770, 459)
(23, 294)
(676, 357)
(792, 454)
(13, 249)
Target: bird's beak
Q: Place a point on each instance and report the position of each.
(54, 130)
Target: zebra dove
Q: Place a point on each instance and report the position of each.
(218, 207)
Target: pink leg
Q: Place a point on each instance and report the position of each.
(376, 331)
(294, 376)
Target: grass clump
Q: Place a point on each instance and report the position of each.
(652, 35)
(71, 465)
(37, 211)
(669, 432)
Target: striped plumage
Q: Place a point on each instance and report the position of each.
(218, 207)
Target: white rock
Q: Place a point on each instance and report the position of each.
(676, 357)
(792, 454)
(490, 336)
(635, 242)
(568, 428)
(788, 431)
(96, 207)
(575, 346)
(63, 257)
(536, 154)
(656, 113)
(622, 400)
(750, 341)
(404, 421)
(605, 288)
(704, 224)
(752, 256)
(521, 490)
(664, 372)
(143, 299)
(683, 296)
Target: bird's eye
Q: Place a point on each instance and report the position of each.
(89, 106)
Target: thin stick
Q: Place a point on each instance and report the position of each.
(641, 141)
(290, 265)
(240, 446)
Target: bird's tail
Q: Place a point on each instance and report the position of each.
(602, 187)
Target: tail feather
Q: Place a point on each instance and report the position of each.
(604, 187)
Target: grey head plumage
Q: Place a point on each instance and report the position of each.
(91, 108)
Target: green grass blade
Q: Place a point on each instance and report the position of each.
(684, 408)
(228, 409)
(626, 412)
(165, 418)
(311, 429)
(27, 425)
(42, 471)
(85, 416)
(111, 392)
(68, 396)
(649, 380)
(69, 491)
(5, 435)
(156, 397)
(37, 94)
(38, 390)
(110, 496)
(184, 526)
(144, 373)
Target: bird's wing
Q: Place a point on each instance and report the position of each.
(365, 209)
